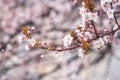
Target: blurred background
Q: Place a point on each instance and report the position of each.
(52, 20)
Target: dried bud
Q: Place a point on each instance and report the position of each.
(85, 45)
(89, 4)
(73, 34)
(26, 32)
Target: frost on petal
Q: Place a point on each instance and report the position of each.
(67, 40)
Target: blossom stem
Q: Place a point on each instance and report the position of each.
(115, 16)
(95, 30)
(108, 33)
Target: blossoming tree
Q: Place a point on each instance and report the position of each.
(89, 34)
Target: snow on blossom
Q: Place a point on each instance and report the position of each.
(110, 13)
(92, 16)
(98, 44)
(67, 40)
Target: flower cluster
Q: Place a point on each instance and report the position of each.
(87, 14)
(98, 44)
(26, 36)
(86, 36)
(67, 40)
(108, 8)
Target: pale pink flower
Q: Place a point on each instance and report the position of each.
(79, 34)
(98, 44)
(83, 14)
(106, 39)
(108, 1)
(67, 40)
(88, 35)
(104, 5)
(32, 42)
(33, 28)
(110, 13)
(92, 16)
(20, 38)
(115, 27)
(27, 47)
(105, 1)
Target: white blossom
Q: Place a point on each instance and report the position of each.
(32, 42)
(2, 50)
(92, 16)
(81, 53)
(110, 13)
(88, 35)
(33, 28)
(83, 14)
(27, 47)
(106, 39)
(79, 34)
(67, 40)
(105, 1)
(98, 44)
(20, 39)
(115, 27)
(108, 1)
(42, 56)
(77, 31)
